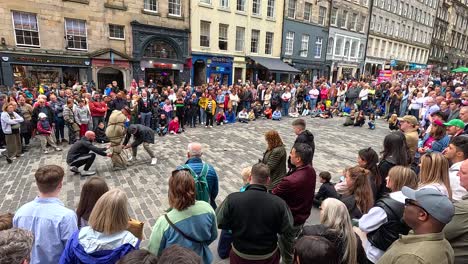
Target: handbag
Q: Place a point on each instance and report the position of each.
(180, 231)
(136, 228)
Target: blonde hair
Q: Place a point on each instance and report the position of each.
(434, 169)
(400, 176)
(336, 217)
(393, 119)
(110, 214)
(245, 173)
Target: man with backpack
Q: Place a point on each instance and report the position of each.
(206, 179)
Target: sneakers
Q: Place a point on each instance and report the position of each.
(206, 126)
(211, 126)
(46, 151)
(74, 169)
(88, 173)
(58, 149)
(154, 161)
(132, 158)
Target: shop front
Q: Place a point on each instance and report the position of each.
(160, 54)
(416, 66)
(269, 69)
(109, 65)
(30, 70)
(211, 69)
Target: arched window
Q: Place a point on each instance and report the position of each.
(339, 46)
(331, 43)
(354, 50)
(361, 51)
(346, 49)
(160, 49)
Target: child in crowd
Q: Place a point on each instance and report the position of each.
(268, 112)
(243, 116)
(360, 119)
(327, 189)
(257, 109)
(44, 133)
(305, 112)
(350, 119)
(294, 113)
(174, 126)
(276, 114)
(246, 172)
(393, 123)
(82, 116)
(230, 116)
(220, 118)
(327, 113)
(318, 110)
(162, 125)
(371, 122)
(167, 107)
(251, 115)
(101, 134)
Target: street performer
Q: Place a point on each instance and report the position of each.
(116, 133)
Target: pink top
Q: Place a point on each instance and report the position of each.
(174, 126)
(167, 108)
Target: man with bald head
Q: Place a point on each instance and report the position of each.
(202, 169)
(79, 155)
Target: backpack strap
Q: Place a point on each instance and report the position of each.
(180, 231)
(204, 171)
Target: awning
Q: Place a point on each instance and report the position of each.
(274, 65)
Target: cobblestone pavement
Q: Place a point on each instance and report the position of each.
(228, 148)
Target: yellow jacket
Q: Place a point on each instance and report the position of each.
(202, 102)
(213, 106)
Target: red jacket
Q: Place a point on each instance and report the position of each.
(297, 189)
(97, 108)
(174, 126)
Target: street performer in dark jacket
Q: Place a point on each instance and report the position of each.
(79, 155)
(297, 190)
(141, 135)
(303, 136)
(256, 218)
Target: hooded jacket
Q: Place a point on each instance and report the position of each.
(89, 246)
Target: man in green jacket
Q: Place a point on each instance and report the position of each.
(427, 211)
(456, 231)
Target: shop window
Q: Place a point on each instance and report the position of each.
(160, 49)
(116, 32)
(26, 29)
(223, 37)
(151, 5)
(174, 8)
(269, 43)
(76, 34)
(204, 33)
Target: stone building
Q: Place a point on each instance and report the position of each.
(236, 40)
(305, 37)
(449, 47)
(66, 41)
(347, 37)
(400, 34)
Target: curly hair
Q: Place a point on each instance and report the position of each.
(15, 245)
(273, 139)
(181, 190)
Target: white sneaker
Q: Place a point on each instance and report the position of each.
(46, 152)
(154, 161)
(132, 158)
(58, 149)
(87, 173)
(211, 126)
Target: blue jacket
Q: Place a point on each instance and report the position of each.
(230, 118)
(75, 253)
(212, 178)
(437, 145)
(276, 115)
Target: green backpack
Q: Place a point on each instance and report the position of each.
(201, 185)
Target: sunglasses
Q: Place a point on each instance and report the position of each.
(413, 203)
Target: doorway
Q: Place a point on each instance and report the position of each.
(107, 75)
(199, 72)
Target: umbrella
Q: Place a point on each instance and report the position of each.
(460, 69)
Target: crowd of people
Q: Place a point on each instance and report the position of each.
(406, 205)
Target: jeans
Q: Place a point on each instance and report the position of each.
(59, 128)
(145, 119)
(97, 120)
(86, 160)
(224, 244)
(202, 116)
(285, 109)
(146, 147)
(246, 105)
(313, 103)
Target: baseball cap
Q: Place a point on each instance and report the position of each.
(455, 122)
(410, 119)
(434, 202)
(438, 123)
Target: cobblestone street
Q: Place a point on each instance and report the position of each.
(228, 148)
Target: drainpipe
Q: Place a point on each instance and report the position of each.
(368, 31)
(282, 34)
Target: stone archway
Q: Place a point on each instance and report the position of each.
(107, 75)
